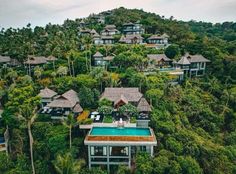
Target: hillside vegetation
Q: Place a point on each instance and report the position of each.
(195, 122)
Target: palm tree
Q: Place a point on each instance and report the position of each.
(29, 114)
(62, 71)
(38, 72)
(66, 164)
(70, 123)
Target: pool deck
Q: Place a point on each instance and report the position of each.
(129, 140)
(89, 126)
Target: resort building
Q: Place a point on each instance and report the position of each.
(159, 61)
(132, 28)
(84, 32)
(110, 30)
(6, 61)
(100, 60)
(131, 39)
(58, 106)
(193, 65)
(103, 39)
(35, 60)
(158, 41)
(122, 96)
(110, 147)
(47, 96)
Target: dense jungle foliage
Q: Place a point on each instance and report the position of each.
(194, 122)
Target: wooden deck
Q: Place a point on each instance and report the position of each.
(120, 138)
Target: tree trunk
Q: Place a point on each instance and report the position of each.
(73, 68)
(31, 146)
(69, 66)
(70, 137)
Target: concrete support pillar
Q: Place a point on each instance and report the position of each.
(89, 157)
(129, 156)
(152, 151)
(108, 160)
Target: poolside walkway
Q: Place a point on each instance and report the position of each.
(105, 125)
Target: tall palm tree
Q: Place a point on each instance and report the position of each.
(70, 123)
(29, 114)
(66, 164)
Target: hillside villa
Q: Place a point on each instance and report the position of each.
(193, 65)
(131, 39)
(112, 145)
(100, 60)
(59, 106)
(158, 41)
(133, 28)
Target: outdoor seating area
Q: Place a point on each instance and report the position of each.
(96, 117)
(143, 116)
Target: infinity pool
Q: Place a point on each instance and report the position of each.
(114, 131)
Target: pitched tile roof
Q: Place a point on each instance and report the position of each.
(47, 93)
(114, 94)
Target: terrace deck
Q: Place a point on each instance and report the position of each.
(120, 138)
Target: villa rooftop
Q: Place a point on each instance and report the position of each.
(47, 93)
(114, 94)
(36, 60)
(158, 57)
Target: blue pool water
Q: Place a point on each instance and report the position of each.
(114, 131)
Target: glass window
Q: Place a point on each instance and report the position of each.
(119, 151)
(98, 151)
(202, 65)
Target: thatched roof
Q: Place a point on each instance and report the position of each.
(131, 37)
(108, 58)
(184, 61)
(71, 95)
(196, 58)
(51, 58)
(77, 108)
(143, 106)
(5, 59)
(121, 99)
(47, 93)
(97, 54)
(159, 57)
(36, 60)
(114, 94)
(67, 100)
(61, 102)
(158, 37)
(110, 27)
(188, 59)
